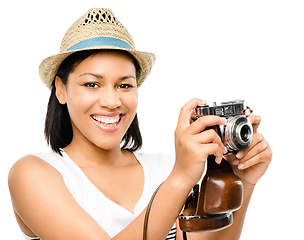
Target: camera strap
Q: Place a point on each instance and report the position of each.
(148, 213)
(145, 229)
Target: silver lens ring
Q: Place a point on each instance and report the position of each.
(238, 133)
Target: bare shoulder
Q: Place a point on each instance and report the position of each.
(29, 177)
(30, 162)
(29, 170)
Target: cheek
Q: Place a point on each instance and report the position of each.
(131, 101)
(78, 104)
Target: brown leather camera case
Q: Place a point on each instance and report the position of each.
(211, 208)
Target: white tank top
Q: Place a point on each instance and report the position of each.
(108, 214)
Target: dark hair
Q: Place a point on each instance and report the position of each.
(58, 128)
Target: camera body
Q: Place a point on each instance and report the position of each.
(237, 133)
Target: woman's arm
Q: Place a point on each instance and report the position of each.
(48, 210)
(250, 165)
(46, 207)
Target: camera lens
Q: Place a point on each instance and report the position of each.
(245, 133)
(238, 133)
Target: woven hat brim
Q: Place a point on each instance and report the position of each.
(50, 65)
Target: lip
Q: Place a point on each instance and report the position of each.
(107, 127)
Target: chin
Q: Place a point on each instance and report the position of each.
(107, 145)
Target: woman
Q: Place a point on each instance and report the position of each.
(94, 185)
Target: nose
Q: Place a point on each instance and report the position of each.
(110, 98)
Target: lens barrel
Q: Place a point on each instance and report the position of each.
(237, 133)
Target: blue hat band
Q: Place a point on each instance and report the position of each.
(100, 41)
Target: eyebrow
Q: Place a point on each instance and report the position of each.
(92, 74)
(101, 77)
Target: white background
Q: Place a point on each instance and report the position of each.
(214, 50)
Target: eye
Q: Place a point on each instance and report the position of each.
(125, 86)
(91, 85)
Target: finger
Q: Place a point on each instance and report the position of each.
(257, 149)
(263, 157)
(257, 138)
(212, 149)
(210, 136)
(255, 121)
(185, 113)
(206, 121)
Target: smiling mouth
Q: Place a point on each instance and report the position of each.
(107, 121)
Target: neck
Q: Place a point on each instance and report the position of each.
(90, 154)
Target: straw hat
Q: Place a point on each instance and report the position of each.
(98, 28)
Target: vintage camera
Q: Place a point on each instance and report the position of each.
(211, 204)
(237, 133)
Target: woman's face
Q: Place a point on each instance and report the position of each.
(101, 96)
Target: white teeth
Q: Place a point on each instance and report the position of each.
(106, 120)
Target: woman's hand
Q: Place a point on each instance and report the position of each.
(251, 164)
(194, 143)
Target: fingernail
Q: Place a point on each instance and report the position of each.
(241, 166)
(218, 160)
(239, 155)
(225, 150)
(260, 137)
(236, 162)
(224, 120)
